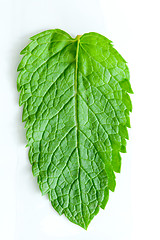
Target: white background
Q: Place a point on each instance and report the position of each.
(133, 211)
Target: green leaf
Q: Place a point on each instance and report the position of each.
(76, 107)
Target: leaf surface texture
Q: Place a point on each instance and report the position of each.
(76, 107)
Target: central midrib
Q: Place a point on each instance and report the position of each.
(77, 124)
(75, 89)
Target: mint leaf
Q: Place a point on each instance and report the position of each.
(76, 107)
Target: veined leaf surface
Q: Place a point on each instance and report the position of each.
(76, 107)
